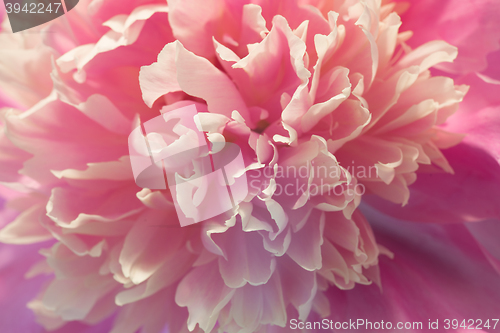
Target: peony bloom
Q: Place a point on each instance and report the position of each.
(353, 118)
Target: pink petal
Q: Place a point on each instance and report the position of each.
(148, 245)
(204, 293)
(16, 290)
(305, 248)
(198, 77)
(194, 23)
(470, 25)
(447, 278)
(487, 234)
(26, 229)
(160, 78)
(245, 260)
(466, 196)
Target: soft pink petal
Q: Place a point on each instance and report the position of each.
(204, 293)
(470, 25)
(245, 259)
(446, 278)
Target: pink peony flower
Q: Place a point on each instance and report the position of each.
(348, 129)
